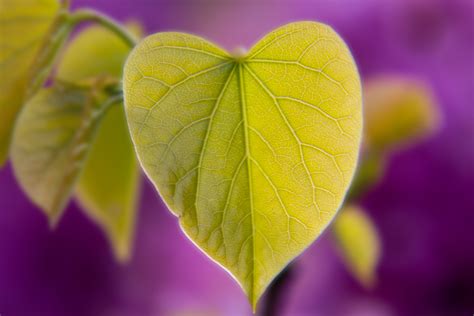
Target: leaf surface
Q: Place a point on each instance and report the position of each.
(108, 186)
(23, 26)
(359, 243)
(253, 153)
(50, 142)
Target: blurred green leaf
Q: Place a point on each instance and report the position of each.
(48, 53)
(397, 111)
(108, 186)
(253, 153)
(95, 51)
(50, 142)
(24, 25)
(359, 243)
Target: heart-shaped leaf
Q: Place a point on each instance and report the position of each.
(50, 142)
(359, 243)
(108, 186)
(23, 27)
(253, 153)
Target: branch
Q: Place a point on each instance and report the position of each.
(87, 15)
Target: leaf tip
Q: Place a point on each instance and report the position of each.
(253, 303)
(254, 307)
(53, 219)
(122, 251)
(254, 297)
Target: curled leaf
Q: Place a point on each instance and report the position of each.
(397, 111)
(359, 243)
(50, 142)
(253, 153)
(108, 186)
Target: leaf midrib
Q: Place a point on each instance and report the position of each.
(247, 149)
(240, 64)
(237, 69)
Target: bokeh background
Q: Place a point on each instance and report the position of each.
(423, 208)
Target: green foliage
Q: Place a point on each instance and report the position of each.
(51, 140)
(95, 52)
(359, 243)
(397, 111)
(108, 186)
(24, 26)
(253, 153)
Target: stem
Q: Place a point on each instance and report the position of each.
(112, 100)
(49, 51)
(369, 171)
(85, 15)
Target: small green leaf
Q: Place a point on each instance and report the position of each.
(50, 142)
(253, 153)
(24, 25)
(397, 111)
(108, 186)
(96, 51)
(359, 243)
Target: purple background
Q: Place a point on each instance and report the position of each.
(424, 208)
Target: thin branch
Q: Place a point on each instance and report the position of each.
(88, 15)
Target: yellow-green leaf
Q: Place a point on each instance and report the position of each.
(359, 243)
(397, 110)
(108, 186)
(96, 51)
(23, 26)
(50, 143)
(253, 153)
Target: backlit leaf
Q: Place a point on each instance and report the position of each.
(50, 143)
(23, 27)
(397, 111)
(253, 153)
(108, 186)
(359, 243)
